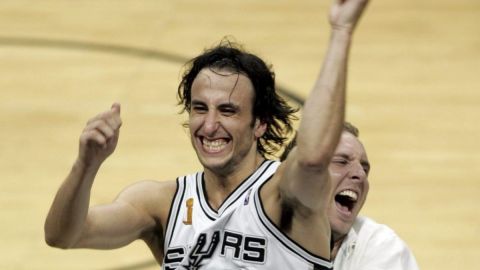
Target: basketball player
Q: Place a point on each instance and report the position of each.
(242, 211)
(359, 242)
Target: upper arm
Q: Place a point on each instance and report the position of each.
(307, 185)
(296, 200)
(138, 210)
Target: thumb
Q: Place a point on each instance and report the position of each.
(115, 108)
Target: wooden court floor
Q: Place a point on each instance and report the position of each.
(414, 91)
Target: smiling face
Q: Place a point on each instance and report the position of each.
(349, 171)
(223, 131)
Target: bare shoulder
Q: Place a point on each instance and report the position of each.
(153, 197)
(150, 188)
(270, 195)
(273, 187)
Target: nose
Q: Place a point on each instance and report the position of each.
(357, 172)
(211, 123)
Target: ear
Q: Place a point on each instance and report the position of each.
(259, 128)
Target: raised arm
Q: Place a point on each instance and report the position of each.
(306, 177)
(70, 223)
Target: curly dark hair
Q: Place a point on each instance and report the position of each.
(268, 106)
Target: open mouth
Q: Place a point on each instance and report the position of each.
(346, 200)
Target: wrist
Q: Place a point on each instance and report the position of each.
(341, 30)
(341, 36)
(82, 164)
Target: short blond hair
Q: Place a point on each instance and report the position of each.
(347, 127)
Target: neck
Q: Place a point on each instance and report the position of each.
(337, 243)
(219, 185)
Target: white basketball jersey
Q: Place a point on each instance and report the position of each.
(237, 236)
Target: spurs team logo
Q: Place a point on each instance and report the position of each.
(200, 253)
(232, 245)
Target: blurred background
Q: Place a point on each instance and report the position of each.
(414, 92)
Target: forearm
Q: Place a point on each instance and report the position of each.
(67, 216)
(324, 110)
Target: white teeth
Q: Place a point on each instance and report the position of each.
(214, 145)
(349, 193)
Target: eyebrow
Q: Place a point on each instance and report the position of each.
(226, 105)
(197, 102)
(345, 156)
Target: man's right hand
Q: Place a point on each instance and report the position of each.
(100, 136)
(344, 14)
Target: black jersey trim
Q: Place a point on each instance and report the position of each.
(287, 242)
(246, 184)
(174, 208)
(207, 210)
(322, 267)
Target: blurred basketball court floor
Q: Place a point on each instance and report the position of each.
(414, 92)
